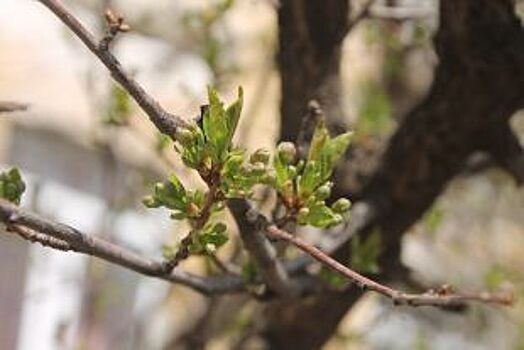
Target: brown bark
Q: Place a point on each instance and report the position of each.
(310, 39)
(478, 86)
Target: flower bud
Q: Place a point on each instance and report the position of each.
(287, 152)
(341, 205)
(324, 191)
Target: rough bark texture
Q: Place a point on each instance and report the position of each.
(310, 39)
(478, 86)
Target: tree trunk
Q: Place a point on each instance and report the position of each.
(478, 86)
(310, 39)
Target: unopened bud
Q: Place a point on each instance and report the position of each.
(341, 205)
(324, 191)
(287, 152)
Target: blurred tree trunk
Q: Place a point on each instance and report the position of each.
(310, 40)
(477, 87)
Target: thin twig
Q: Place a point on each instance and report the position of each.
(165, 122)
(115, 24)
(443, 297)
(80, 242)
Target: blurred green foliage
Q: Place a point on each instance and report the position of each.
(365, 253)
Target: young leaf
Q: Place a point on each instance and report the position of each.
(320, 215)
(318, 141)
(12, 185)
(192, 146)
(220, 125)
(233, 115)
(170, 194)
(213, 236)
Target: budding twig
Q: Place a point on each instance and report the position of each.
(165, 122)
(443, 297)
(115, 25)
(38, 229)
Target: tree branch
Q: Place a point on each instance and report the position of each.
(442, 298)
(6, 106)
(251, 226)
(165, 122)
(37, 229)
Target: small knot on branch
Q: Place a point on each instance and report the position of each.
(115, 24)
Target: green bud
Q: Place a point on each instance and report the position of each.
(287, 152)
(342, 205)
(260, 155)
(324, 191)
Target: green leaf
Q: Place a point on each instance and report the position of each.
(12, 186)
(233, 113)
(191, 146)
(324, 153)
(319, 215)
(170, 194)
(364, 255)
(220, 124)
(318, 141)
(213, 236)
(310, 179)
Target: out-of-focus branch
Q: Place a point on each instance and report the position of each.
(251, 225)
(11, 107)
(442, 298)
(165, 122)
(37, 229)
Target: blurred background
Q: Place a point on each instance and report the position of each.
(89, 156)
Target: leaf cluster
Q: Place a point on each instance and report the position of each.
(304, 186)
(229, 172)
